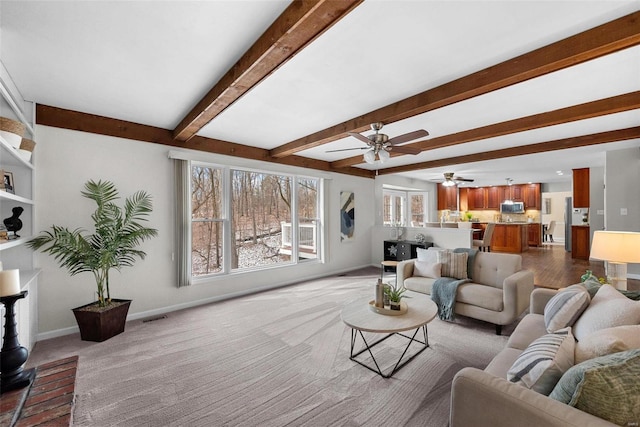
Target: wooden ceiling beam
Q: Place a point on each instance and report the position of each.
(300, 24)
(523, 150)
(599, 41)
(84, 122)
(602, 107)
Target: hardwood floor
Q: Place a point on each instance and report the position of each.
(553, 267)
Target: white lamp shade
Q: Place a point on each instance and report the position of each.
(616, 246)
(370, 157)
(384, 155)
(9, 282)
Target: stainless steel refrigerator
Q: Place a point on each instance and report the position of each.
(568, 217)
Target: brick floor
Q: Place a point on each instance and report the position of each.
(49, 400)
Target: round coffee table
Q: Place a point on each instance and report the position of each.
(360, 318)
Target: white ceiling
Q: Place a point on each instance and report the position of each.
(150, 62)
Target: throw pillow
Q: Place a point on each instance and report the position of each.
(426, 269)
(565, 307)
(453, 264)
(606, 387)
(429, 255)
(608, 308)
(608, 341)
(540, 366)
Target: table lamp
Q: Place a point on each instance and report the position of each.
(617, 249)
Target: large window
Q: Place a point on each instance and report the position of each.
(404, 208)
(242, 219)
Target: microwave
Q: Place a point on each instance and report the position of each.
(514, 207)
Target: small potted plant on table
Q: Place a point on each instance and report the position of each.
(395, 295)
(118, 233)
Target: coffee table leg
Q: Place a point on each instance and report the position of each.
(368, 347)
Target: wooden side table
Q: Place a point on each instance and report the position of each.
(389, 263)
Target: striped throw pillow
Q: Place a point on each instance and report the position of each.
(542, 364)
(453, 264)
(566, 307)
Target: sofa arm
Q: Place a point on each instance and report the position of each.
(539, 299)
(404, 270)
(517, 290)
(480, 399)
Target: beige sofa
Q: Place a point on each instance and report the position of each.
(487, 399)
(498, 293)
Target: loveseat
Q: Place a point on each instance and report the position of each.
(494, 398)
(498, 291)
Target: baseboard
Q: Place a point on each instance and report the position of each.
(168, 309)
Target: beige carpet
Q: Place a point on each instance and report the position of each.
(278, 358)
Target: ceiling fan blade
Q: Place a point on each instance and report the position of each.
(463, 179)
(360, 137)
(405, 149)
(408, 137)
(348, 149)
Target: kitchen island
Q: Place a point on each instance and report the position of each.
(511, 237)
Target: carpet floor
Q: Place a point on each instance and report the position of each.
(277, 358)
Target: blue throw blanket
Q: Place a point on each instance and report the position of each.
(444, 289)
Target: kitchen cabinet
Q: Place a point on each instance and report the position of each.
(511, 238)
(495, 196)
(532, 196)
(447, 198)
(580, 241)
(581, 188)
(463, 198)
(395, 250)
(476, 198)
(535, 234)
(517, 193)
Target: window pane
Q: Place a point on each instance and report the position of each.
(206, 214)
(387, 210)
(206, 253)
(417, 208)
(261, 203)
(308, 219)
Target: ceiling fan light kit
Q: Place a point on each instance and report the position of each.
(380, 144)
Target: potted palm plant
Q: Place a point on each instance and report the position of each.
(113, 245)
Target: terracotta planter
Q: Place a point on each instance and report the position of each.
(100, 325)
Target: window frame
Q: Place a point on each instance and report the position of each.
(226, 176)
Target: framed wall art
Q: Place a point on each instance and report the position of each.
(347, 216)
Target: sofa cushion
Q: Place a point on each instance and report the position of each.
(608, 341)
(491, 268)
(499, 365)
(427, 269)
(428, 255)
(606, 387)
(481, 296)
(566, 307)
(608, 308)
(453, 264)
(541, 365)
(530, 328)
(419, 284)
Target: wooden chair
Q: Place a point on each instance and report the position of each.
(485, 243)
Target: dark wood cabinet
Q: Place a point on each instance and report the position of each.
(512, 238)
(581, 188)
(535, 234)
(517, 193)
(463, 199)
(495, 196)
(532, 196)
(447, 198)
(402, 250)
(476, 198)
(580, 241)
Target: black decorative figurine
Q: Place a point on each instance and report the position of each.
(13, 223)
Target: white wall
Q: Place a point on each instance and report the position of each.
(67, 159)
(557, 212)
(622, 175)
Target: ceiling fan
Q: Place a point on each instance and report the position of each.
(380, 144)
(450, 180)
